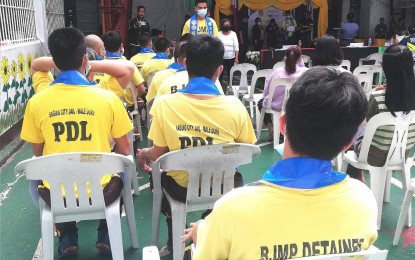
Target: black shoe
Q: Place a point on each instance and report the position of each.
(68, 244)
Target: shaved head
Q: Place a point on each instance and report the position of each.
(95, 42)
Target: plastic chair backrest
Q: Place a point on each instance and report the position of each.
(211, 170)
(377, 57)
(278, 65)
(306, 60)
(244, 68)
(366, 80)
(396, 154)
(133, 90)
(370, 70)
(258, 74)
(346, 64)
(372, 253)
(81, 168)
(287, 83)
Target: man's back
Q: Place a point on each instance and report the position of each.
(289, 223)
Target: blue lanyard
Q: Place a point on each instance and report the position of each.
(113, 55)
(161, 55)
(100, 57)
(303, 173)
(200, 85)
(176, 66)
(72, 77)
(146, 50)
(194, 25)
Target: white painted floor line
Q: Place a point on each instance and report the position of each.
(266, 143)
(143, 187)
(3, 194)
(39, 252)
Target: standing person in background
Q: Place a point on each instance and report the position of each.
(231, 54)
(136, 27)
(305, 30)
(381, 29)
(349, 30)
(258, 34)
(271, 33)
(265, 19)
(186, 18)
(243, 38)
(200, 23)
(288, 25)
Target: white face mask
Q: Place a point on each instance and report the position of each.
(201, 12)
(87, 68)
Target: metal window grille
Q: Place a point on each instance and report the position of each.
(55, 15)
(17, 21)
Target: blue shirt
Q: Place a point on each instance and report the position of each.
(349, 31)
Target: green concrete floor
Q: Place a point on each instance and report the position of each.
(20, 228)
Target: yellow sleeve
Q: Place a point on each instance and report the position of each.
(122, 123)
(144, 71)
(186, 28)
(152, 89)
(31, 129)
(42, 80)
(247, 134)
(156, 133)
(110, 83)
(137, 78)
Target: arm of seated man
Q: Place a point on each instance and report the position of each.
(151, 154)
(122, 70)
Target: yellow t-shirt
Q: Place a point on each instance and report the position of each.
(274, 222)
(180, 122)
(201, 27)
(110, 83)
(41, 80)
(178, 81)
(73, 118)
(158, 79)
(152, 66)
(137, 79)
(140, 58)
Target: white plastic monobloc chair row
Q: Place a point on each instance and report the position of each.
(280, 82)
(211, 171)
(380, 177)
(82, 168)
(365, 74)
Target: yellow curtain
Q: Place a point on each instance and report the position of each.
(224, 6)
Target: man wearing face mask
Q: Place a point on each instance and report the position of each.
(137, 26)
(230, 42)
(258, 34)
(200, 23)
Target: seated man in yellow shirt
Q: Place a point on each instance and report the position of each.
(95, 42)
(301, 207)
(146, 52)
(200, 23)
(160, 61)
(161, 76)
(53, 125)
(113, 45)
(121, 70)
(221, 119)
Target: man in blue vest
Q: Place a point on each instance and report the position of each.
(200, 23)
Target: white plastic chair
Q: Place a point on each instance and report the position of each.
(370, 70)
(380, 177)
(211, 171)
(150, 78)
(365, 81)
(376, 57)
(135, 114)
(149, 119)
(251, 97)
(243, 86)
(151, 253)
(404, 211)
(346, 64)
(307, 60)
(281, 82)
(372, 253)
(81, 168)
(277, 65)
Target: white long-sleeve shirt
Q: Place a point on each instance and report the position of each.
(230, 42)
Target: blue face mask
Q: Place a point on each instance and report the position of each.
(202, 12)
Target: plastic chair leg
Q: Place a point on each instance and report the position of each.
(114, 229)
(406, 179)
(402, 216)
(251, 108)
(377, 185)
(47, 234)
(156, 218)
(276, 125)
(129, 212)
(386, 195)
(260, 121)
(179, 224)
